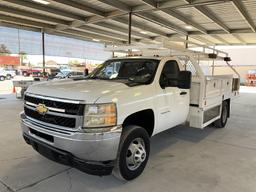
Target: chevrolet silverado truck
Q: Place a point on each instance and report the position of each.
(102, 123)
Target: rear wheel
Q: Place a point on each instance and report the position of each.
(8, 77)
(2, 78)
(133, 153)
(221, 123)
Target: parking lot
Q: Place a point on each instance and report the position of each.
(6, 87)
(188, 65)
(181, 159)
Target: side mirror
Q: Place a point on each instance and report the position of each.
(184, 79)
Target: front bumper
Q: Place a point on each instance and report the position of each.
(76, 148)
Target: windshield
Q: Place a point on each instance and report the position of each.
(133, 70)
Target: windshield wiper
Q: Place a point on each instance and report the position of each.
(79, 78)
(84, 78)
(94, 77)
(100, 78)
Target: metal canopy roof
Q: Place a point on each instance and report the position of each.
(211, 22)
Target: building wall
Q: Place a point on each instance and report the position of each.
(241, 55)
(243, 60)
(242, 70)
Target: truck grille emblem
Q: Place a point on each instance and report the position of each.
(41, 109)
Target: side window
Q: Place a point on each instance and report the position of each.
(170, 74)
(111, 71)
(188, 66)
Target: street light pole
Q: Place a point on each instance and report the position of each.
(130, 28)
(21, 59)
(43, 49)
(129, 31)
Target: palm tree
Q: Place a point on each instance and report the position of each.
(4, 50)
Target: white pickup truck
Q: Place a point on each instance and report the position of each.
(102, 124)
(7, 74)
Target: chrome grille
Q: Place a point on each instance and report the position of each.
(60, 114)
(52, 119)
(68, 108)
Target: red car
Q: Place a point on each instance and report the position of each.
(33, 72)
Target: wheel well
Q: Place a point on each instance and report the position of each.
(144, 118)
(228, 102)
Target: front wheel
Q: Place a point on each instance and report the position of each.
(221, 123)
(2, 78)
(133, 153)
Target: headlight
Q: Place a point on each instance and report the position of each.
(100, 115)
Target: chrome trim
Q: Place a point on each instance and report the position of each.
(54, 113)
(50, 108)
(56, 109)
(31, 104)
(49, 126)
(78, 125)
(32, 124)
(56, 99)
(94, 147)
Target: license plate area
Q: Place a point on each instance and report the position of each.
(42, 135)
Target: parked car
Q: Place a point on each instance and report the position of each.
(68, 74)
(102, 124)
(32, 72)
(7, 74)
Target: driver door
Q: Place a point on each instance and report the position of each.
(173, 102)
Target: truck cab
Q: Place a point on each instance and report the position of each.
(102, 123)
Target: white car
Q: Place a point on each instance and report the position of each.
(102, 124)
(7, 74)
(69, 74)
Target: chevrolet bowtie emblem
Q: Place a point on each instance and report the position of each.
(41, 109)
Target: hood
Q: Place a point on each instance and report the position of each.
(84, 90)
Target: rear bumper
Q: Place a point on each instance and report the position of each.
(66, 158)
(93, 153)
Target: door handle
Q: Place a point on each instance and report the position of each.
(183, 93)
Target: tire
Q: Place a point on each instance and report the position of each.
(8, 77)
(221, 123)
(2, 78)
(130, 165)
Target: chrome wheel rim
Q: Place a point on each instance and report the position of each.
(136, 154)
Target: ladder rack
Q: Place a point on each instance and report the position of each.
(183, 49)
(171, 48)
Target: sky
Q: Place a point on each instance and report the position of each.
(30, 42)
